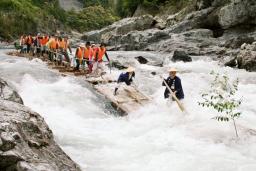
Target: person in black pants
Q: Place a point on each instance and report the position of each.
(126, 77)
(174, 83)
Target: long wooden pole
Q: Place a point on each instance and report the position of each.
(174, 97)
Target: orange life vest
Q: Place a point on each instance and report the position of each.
(63, 44)
(101, 53)
(54, 44)
(29, 40)
(79, 52)
(88, 53)
(44, 40)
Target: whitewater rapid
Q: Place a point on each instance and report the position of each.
(155, 138)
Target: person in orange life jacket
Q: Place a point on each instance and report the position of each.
(60, 50)
(52, 45)
(88, 54)
(22, 44)
(37, 44)
(174, 83)
(98, 57)
(44, 41)
(126, 77)
(29, 41)
(67, 47)
(79, 55)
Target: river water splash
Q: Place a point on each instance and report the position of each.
(157, 137)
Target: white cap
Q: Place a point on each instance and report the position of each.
(130, 69)
(172, 70)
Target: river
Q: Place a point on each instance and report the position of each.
(158, 137)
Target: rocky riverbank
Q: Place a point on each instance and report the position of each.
(26, 142)
(217, 28)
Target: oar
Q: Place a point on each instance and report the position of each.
(174, 96)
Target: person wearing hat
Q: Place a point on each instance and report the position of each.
(174, 83)
(126, 77)
(79, 55)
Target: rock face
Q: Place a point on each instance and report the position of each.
(26, 142)
(214, 27)
(120, 28)
(238, 12)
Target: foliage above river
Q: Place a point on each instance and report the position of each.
(24, 16)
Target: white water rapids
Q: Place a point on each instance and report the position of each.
(155, 138)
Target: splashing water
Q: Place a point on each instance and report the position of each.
(158, 137)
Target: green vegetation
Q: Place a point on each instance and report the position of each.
(128, 7)
(31, 16)
(221, 97)
(92, 17)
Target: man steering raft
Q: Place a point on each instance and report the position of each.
(126, 77)
(174, 84)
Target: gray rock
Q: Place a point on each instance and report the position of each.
(231, 63)
(141, 59)
(8, 159)
(181, 56)
(236, 42)
(7, 93)
(159, 23)
(246, 59)
(118, 65)
(237, 12)
(8, 142)
(26, 142)
(120, 28)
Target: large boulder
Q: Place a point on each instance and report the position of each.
(246, 59)
(180, 55)
(236, 42)
(26, 142)
(141, 59)
(237, 12)
(121, 27)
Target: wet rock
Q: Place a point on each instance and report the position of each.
(231, 63)
(153, 73)
(8, 142)
(8, 159)
(141, 59)
(246, 59)
(236, 42)
(118, 65)
(159, 23)
(26, 142)
(181, 56)
(7, 93)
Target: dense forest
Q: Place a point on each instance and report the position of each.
(24, 16)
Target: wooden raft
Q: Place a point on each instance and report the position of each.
(128, 98)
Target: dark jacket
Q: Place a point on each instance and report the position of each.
(175, 85)
(124, 77)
